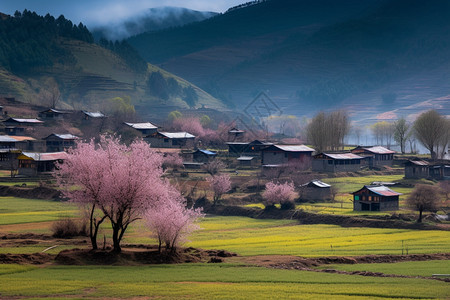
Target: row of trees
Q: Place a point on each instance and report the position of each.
(327, 131)
(122, 184)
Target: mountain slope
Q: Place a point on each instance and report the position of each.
(311, 55)
(83, 74)
(153, 19)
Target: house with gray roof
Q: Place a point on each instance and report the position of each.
(170, 140)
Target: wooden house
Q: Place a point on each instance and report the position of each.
(440, 170)
(377, 156)
(204, 156)
(235, 134)
(88, 115)
(146, 128)
(417, 169)
(170, 140)
(60, 142)
(253, 148)
(283, 154)
(52, 114)
(33, 163)
(337, 162)
(375, 198)
(16, 126)
(315, 190)
(247, 161)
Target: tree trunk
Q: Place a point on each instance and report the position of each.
(92, 232)
(420, 216)
(116, 240)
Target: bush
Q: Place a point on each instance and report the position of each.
(287, 205)
(67, 228)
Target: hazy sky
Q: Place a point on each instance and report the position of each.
(93, 12)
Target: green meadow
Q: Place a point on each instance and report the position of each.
(206, 281)
(237, 280)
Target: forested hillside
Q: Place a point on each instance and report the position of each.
(44, 58)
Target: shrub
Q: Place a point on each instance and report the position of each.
(67, 228)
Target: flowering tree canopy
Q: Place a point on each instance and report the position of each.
(122, 181)
(220, 184)
(281, 193)
(171, 222)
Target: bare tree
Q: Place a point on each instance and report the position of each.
(430, 128)
(328, 131)
(424, 197)
(383, 132)
(401, 132)
(445, 188)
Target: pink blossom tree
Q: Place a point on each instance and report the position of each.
(220, 184)
(171, 222)
(281, 193)
(122, 181)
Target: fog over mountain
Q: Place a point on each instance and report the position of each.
(153, 19)
(381, 59)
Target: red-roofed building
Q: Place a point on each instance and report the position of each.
(375, 198)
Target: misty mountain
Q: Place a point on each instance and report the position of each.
(153, 19)
(378, 58)
(42, 58)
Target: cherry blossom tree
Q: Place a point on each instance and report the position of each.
(122, 181)
(171, 222)
(281, 193)
(220, 184)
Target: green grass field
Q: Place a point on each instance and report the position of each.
(247, 237)
(20, 210)
(206, 281)
(409, 268)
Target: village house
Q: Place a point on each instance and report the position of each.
(377, 156)
(247, 161)
(375, 198)
(170, 140)
(235, 134)
(283, 154)
(146, 128)
(417, 169)
(52, 114)
(34, 164)
(337, 162)
(249, 149)
(203, 156)
(315, 190)
(87, 115)
(16, 126)
(60, 142)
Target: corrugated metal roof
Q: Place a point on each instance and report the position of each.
(7, 138)
(15, 138)
(235, 130)
(294, 148)
(55, 111)
(49, 156)
(94, 114)
(34, 121)
(207, 152)
(419, 162)
(379, 150)
(246, 158)
(320, 184)
(178, 135)
(382, 190)
(343, 155)
(66, 136)
(146, 125)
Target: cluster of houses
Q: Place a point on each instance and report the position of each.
(28, 156)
